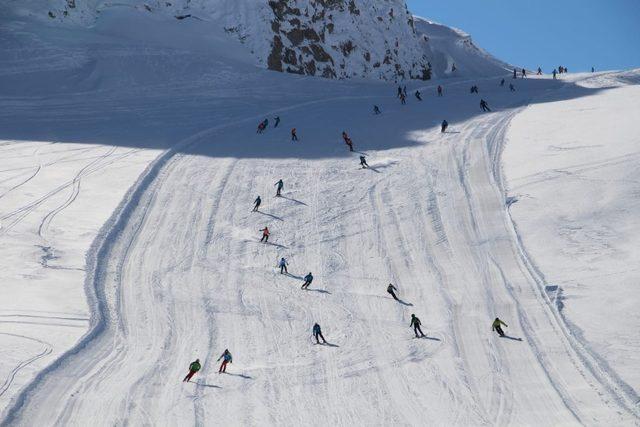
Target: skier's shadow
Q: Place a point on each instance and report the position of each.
(451, 131)
(276, 245)
(294, 276)
(408, 304)
(511, 338)
(328, 344)
(321, 291)
(293, 200)
(202, 384)
(246, 377)
(371, 168)
(270, 215)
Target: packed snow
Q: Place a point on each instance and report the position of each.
(129, 166)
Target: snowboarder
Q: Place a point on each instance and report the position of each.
(515, 73)
(484, 105)
(439, 90)
(524, 73)
(283, 266)
(512, 88)
(418, 95)
(265, 234)
(501, 82)
(193, 368)
(496, 326)
(294, 135)
(279, 185)
(539, 71)
(554, 73)
(403, 99)
(257, 203)
(277, 121)
(376, 110)
(390, 290)
(226, 358)
(307, 281)
(317, 333)
(363, 162)
(445, 125)
(415, 322)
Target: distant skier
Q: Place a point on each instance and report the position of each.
(439, 90)
(524, 73)
(515, 73)
(257, 203)
(403, 99)
(277, 121)
(415, 322)
(445, 125)
(484, 105)
(279, 185)
(376, 110)
(554, 74)
(404, 91)
(260, 127)
(307, 281)
(317, 333)
(390, 290)
(495, 326)
(193, 368)
(363, 162)
(226, 358)
(283, 266)
(453, 68)
(593, 70)
(501, 82)
(294, 135)
(399, 91)
(512, 88)
(539, 71)
(265, 234)
(418, 95)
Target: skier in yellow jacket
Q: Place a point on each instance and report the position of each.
(496, 326)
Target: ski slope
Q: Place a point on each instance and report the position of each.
(174, 269)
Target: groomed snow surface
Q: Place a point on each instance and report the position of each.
(143, 156)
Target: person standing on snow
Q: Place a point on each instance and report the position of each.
(495, 326)
(445, 125)
(279, 185)
(294, 135)
(226, 358)
(418, 95)
(439, 90)
(539, 71)
(193, 368)
(501, 82)
(283, 266)
(484, 105)
(277, 121)
(317, 333)
(390, 290)
(415, 322)
(524, 73)
(515, 73)
(376, 110)
(257, 203)
(265, 234)
(363, 162)
(307, 281)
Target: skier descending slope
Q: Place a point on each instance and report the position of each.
(495, 326)
(445, 125)
(317, 333)
(257, 203)
(265, 234)
(193, 368)
(501, 82)
(484, 105)
(512, 87)
(283, 266)
(279, 185)
(307, 281)
(294, 135)
(415, 322)
(403, 99)
(391, 289)
(515, 73)
(226, 358)
(439, 90)
(277, 121)
(363, 162)
(418, 95)
(376, 110)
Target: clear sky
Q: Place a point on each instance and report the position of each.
(577, 34)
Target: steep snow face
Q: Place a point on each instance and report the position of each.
(328, 38)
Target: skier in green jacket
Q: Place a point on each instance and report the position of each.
(193, 368)
(496, 326)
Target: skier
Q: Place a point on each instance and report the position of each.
(277, 121)
(226, 358)
(399, 91)
(415, 322)
(524, 73)
(496, 326)
(307, 281)
(193, 368)
(317, 333)
(403, 99)
(593, 70)
(501, 82)
(294, 135)
(539, 71)
(554, 73)
(453, 68)
(376, 110)
(265, 234)
(257, 202)
(349, 143)
(418, 95)
(512, 88)
(390, 290)
(439, 90)
(445, 125)
(283, 266)
(260, 127)
(484, 105)
(363, 162)
(404, 91)
(515, 73)
(280, 184)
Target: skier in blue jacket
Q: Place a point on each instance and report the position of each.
(307, 281)
(283, 266)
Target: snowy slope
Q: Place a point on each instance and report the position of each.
(134, 144)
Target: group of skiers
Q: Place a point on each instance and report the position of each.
(263, 125)
(195, 366)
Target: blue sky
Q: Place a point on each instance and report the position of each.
(577, 34)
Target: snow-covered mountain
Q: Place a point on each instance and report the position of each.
(328, 38)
